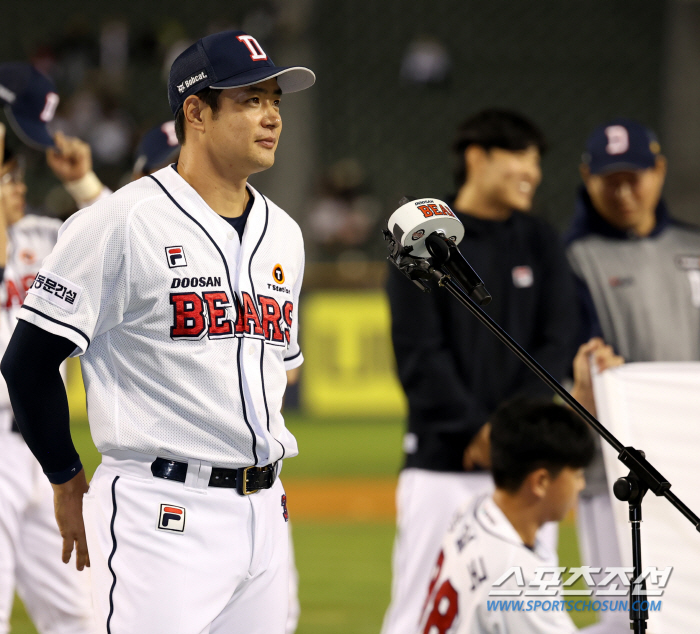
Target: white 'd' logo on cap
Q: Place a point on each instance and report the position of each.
(256, 52)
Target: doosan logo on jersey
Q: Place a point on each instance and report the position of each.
(195, 282)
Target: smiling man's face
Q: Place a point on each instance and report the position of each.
(510, 178)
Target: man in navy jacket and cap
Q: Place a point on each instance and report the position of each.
(638, 276)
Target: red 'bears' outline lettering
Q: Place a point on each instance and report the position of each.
(271, 315)
(288, 311)
(248, 313)
(195, 315)
(217, 303)
(182, 313)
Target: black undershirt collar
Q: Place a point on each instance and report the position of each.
(238, 223)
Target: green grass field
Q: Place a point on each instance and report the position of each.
(344, 567)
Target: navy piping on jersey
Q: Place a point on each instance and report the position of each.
(255, 299)
(294, 356)
(233, 295)
(56, 321)
(111, 555)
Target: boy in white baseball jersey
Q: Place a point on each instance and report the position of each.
(180, 293)
(538, 452)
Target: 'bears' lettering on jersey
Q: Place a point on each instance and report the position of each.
(195, 315)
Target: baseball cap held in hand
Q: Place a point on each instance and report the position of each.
(229, 59)
(621, 145)
(30, 100)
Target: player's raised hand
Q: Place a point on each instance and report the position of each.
(593, 353)
(68, 506)
(71, 159)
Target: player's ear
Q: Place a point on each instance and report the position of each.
(660, 167)
(538, 482)
(474, 157)
(192, 109)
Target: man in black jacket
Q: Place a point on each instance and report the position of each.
(454, 372)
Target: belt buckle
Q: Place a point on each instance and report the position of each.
(242, 482)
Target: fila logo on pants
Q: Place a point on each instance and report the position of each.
(172, 518)
(195, 315)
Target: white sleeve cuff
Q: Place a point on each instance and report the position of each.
(294, 361)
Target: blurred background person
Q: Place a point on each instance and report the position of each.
(454, 374)
(638, 279)
(56, 596)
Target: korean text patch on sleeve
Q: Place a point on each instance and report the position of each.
(57, 290)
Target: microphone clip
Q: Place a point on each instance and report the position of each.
(415, 269)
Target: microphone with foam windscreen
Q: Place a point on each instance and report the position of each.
(423, 235)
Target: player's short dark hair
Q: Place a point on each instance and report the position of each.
(495, 128)
(209, 96)
(531, 434)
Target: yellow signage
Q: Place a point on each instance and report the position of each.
(349, 366)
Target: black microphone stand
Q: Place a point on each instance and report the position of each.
(642, 477)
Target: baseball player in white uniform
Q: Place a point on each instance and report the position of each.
(71, 162)
(57, 597)
(539, 450)
(180, 294)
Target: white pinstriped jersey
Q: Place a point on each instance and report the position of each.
(480, 546)
(185, 331)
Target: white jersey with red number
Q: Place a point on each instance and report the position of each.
(185, 331)
(478, 549)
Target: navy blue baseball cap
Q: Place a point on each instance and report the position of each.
(30, 100)
(621, 145)
(229, 59)
(158, 146)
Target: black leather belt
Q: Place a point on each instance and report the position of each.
(245, 481)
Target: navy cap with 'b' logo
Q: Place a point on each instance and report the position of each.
(30, 100)
(229, 59)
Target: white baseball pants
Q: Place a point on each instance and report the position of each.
(184, 558)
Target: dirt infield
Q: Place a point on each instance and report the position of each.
(341, 499)
(347, 500)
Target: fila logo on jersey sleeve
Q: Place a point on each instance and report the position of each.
(256, 52)
(172, 518)
(176, 256)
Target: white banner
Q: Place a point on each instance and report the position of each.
(655, 407)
